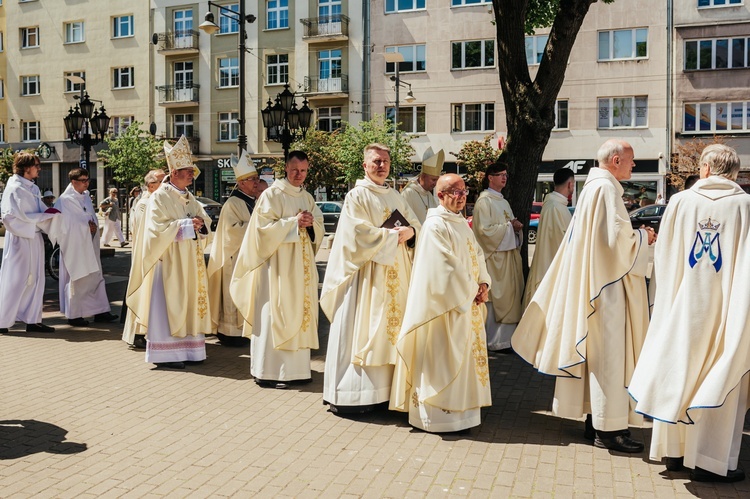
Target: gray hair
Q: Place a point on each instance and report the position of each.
(609, 150)
(722, 160)
(152, 176)
(375, 146)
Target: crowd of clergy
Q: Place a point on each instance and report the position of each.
(416, 296)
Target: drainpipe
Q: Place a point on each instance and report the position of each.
(670, 90)
(366, 55)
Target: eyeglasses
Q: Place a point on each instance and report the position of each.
(499, 174)
(458, 192)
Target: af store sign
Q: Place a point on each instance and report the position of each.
(579, 166)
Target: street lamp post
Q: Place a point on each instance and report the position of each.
(396, 58)
(210, 27)
(284, 122)
(86, 126)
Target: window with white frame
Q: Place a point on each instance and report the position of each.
(623, 112)
(30, 131)
(277, 69)
(229, 72)
(561, 115)
(277, 14)
(329, 118)
(118, 124)
(2, 41)
(2, 132)
(183, 125)
(473, 117)
(717, 117)
(122, 26)
(403, 5)
(74, 32)
(30, 37)
(535, 48)
(464, 3)
(411, 119)
(473, 54)
(123, 77)
(414, 59)
(717, 53)
(623, 44)
(74, 87)
(229, 127)
(228, 23)
(718, 3)
(30, 85)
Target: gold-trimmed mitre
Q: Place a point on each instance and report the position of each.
(243, 167)
(179, 156)
(434, 164)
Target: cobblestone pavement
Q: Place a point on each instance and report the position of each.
(83, 416)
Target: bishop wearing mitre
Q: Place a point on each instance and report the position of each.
(418, 192)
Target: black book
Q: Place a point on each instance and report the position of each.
(395, 220)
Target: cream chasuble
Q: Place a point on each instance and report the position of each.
(182, 264)
(364, 294)
(132, 327)
(553, 222)
(442, 375)
(590, 313)
(418, 199)
(233, 222)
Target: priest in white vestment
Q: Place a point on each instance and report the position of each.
(169, 292)
(500, 235)
(24, 216)
(692, 376)
(553, 222)
(442, 376)
(233, 222)
(418, 192)
(365, 287)
(134, 332)
(275, 282)
(82, 289)
(586, 322)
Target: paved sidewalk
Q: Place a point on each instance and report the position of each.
(83, 416)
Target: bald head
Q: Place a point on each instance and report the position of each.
(451, 191)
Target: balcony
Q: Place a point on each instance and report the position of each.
(177, 42)
(326, 88)
(326, 28)
(192, 138)
(178, 95)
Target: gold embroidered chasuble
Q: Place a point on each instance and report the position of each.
(233, 222)
(273, 238)
(418, 199)
(442, 353)
(490, 224)
(183, 264)
(362, 248)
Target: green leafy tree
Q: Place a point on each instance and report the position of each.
(476, 156)
(325, 167)
(6, 164)
(132, 154)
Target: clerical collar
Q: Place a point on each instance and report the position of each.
(181, 191)
(493, 191)
(372, 184)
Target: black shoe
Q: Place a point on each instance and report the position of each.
(193, 362)
(105, 317)
(39, 328)
(619, 443)
(279, 385)
(701, 475)
(589, 433)
(139, 342)
(170, 365)
(3, 330)
(674, 463)
(123, 244)
(233, 341)
(78, 322)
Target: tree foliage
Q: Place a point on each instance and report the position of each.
(685, 160)
(476, 156)
(6, 164)
(325, 168)
(132, 154)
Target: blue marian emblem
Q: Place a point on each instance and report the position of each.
(706, 244)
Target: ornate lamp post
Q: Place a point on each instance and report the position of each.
(284, 122)
(396, 58)
(86, 126)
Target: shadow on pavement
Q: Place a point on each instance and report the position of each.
(19, 438)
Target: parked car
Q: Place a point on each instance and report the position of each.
(213, 210)
(534, 226)
(536, 210)
(331, 213)
(650, 216)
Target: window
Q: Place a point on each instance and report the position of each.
(561, 115)
(618, 112)
(329, 66)
(414, 59)
(30, 37)
(717, 117)
(74, 87)
(411, 118)
(118, 124)
(329, 118)
(535, 48)
(30, 85)
(229, 127)
(123, 78)
(717, 53)
(718, 3)
(2, 89)
(328, 10)
(474, 54)
(229, 72)
(2, 132)
(473, 117)
(463, 3)
(277, 69)
(277, 14)
(623, 44)
(229, 24)
(30, 131)
(122, 26)
(183, 125)
(74, 32)
(403, 5)
(1, 39)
